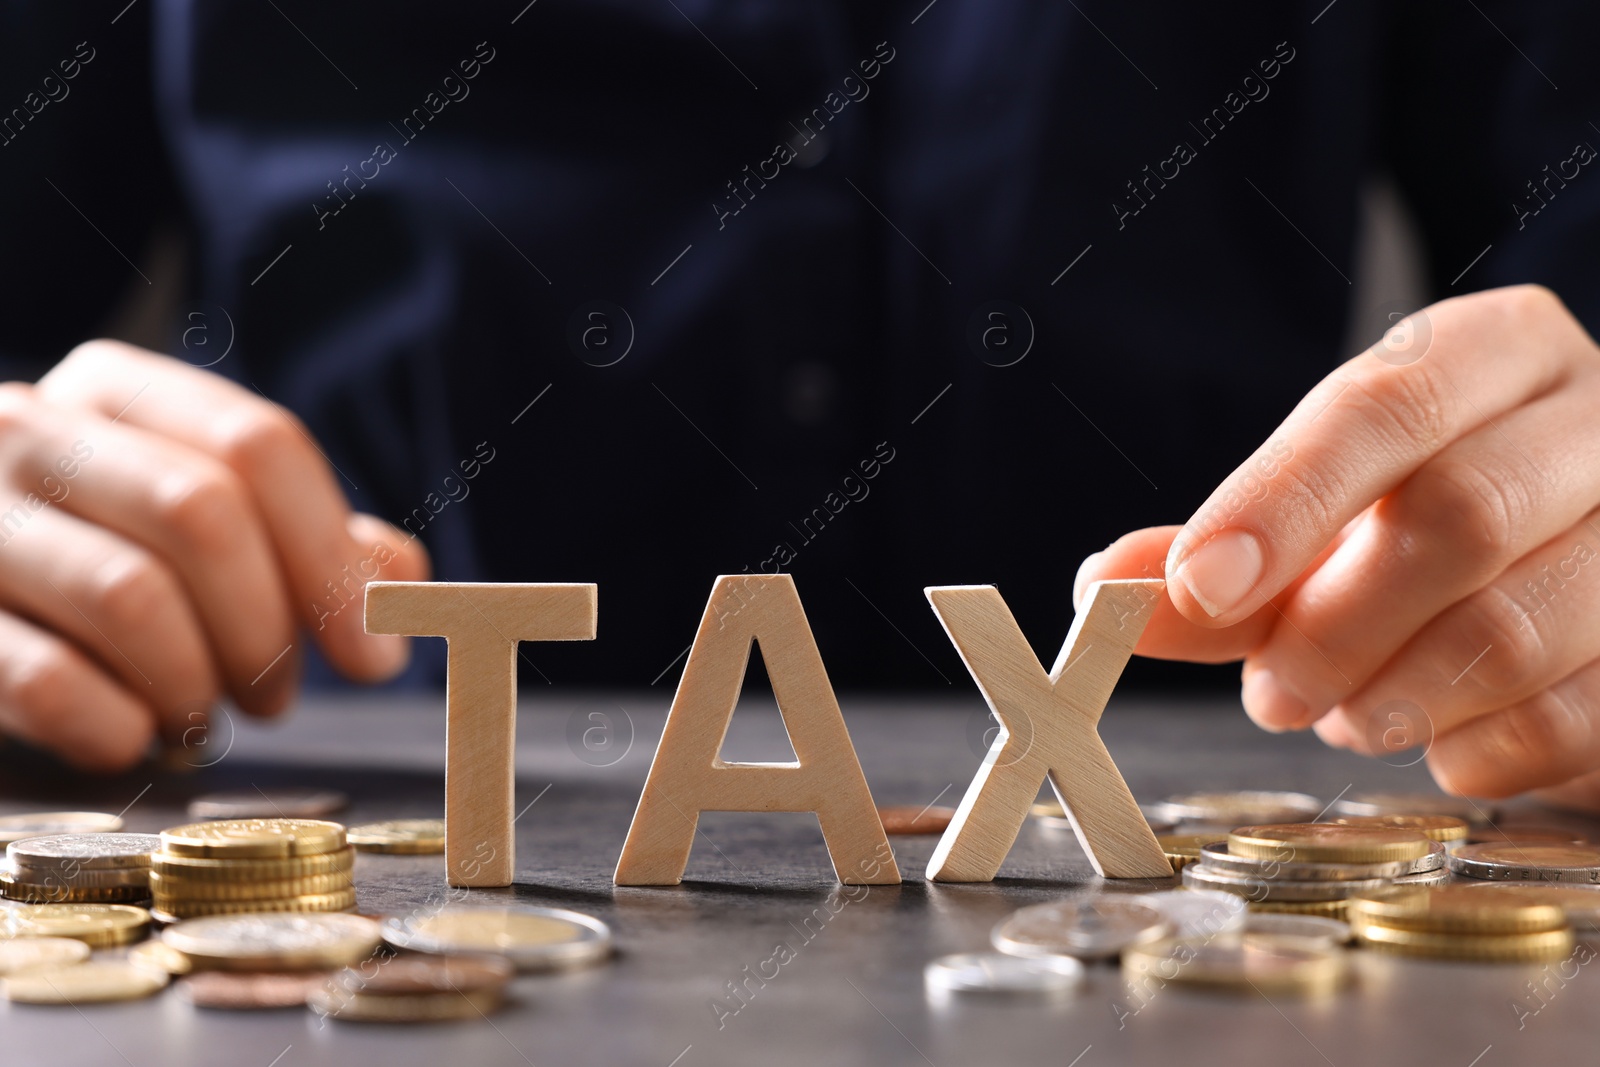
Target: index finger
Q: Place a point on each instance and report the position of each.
(307, 516)
(1357, 435)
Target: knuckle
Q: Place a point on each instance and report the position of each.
(133, 591)
(255, 438)
(205, 508)
(1405, 406)
(1478, 512)
(1493, 620)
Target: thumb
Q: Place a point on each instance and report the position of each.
(1143, 554)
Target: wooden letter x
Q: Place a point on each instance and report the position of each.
(688, 775)
(482, 624)
(1049, 728)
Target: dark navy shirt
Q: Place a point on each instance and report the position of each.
(879, 294)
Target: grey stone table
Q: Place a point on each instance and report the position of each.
(853, 991)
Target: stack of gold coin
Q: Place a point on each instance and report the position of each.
(1312, 868)
(252, 865)
(1459, 923)
(79, 868)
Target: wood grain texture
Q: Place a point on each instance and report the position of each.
(482, 624)
(1050, 729)
(688, 775)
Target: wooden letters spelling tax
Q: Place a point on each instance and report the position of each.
(1048, 727)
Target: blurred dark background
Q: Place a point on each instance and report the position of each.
(192, 191)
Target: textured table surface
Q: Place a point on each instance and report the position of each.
(853, 991)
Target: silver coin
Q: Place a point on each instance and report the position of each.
(1436, 860)
(995, 972)
(533, 939)
(1218, 858)
(1200, 876)
(1245, 807)
(268, 804)
(1089, 927)
(1436, 877)
(1198, 912)
(275, 940)
(1528, 863)
(1287, 924)
(84, 852)
(1475, 812)
(17, 827)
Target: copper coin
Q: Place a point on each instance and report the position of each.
(910, 819)
(248, 991)
(404, 975)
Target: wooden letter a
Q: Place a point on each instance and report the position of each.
(1049, 728)
(482, 624)
(688, 776)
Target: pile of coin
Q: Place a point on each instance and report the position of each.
(1313, 868)
(79, 868)
(236, 866)
(415, 989)
(1455, 922)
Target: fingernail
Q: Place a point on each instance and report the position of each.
(1224, 571)
(1080, 584)
(1269, 704)
(386, 655)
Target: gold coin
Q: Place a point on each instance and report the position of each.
(1539, 947)
(1183, 849)
(18, 827)
(187, 908)
(160, 955)
(1334, 909)
(1327, 843)
(531, 938)
(275, 942)
(85, 983)
(1438, 827)
(31, 953)
(405, 1008)
(1455, 909)
(1259, 962)
(254, 838)
(1580, 902)
(96, 925)
(410, 836)
(66, 893)
(168, 887)
(192, 868)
